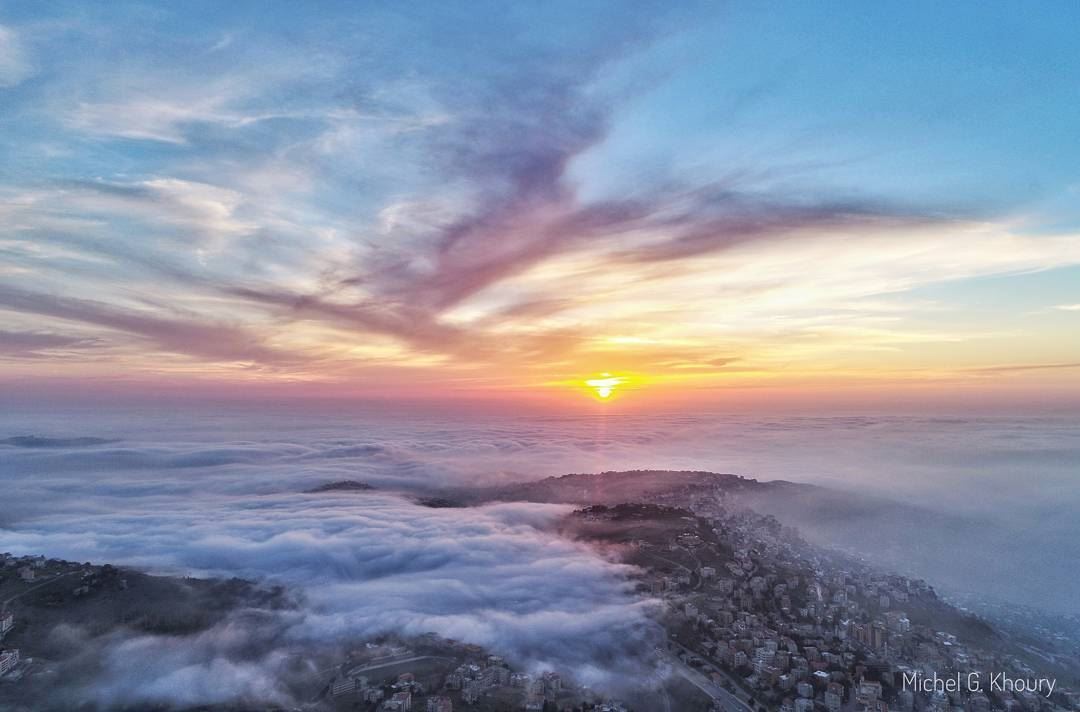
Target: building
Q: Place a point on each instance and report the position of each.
(495, 676)
(470, 692)
(455, 680)
(977, 703)
(26, 573)
(878, 636)
(552, 685)
(867, 693)
(7, 622)
(834, 697)
(342, 687)
(440, 704)
(8, 660)
(400, 702)
(348, 685)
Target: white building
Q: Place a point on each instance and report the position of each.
(348, 685)
(8, 660)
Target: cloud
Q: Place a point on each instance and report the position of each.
(191, 102)
(37, 344)
(187, 336)
(526, 215)
(147, 119)
(15, 65)
(1010, 368)
(726, 220)
(366, 565)
(233, 662)
(408, 323)
(1068, 307)
(198, 208)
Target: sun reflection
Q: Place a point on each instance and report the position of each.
(605, 385)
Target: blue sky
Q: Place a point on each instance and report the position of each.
(453, 194)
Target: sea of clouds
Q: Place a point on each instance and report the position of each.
(365, 564)
(224, 492)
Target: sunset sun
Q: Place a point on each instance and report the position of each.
(604, 386)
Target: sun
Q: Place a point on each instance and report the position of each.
(605, 385)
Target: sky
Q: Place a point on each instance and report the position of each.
(742, 202)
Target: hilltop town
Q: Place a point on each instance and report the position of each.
(762, 620)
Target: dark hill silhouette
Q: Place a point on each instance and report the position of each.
(341, 486)
(629, 486)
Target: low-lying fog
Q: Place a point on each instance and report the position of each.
(222, 492)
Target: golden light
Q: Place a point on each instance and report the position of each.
(605, 385)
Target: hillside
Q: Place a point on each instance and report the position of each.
(629, 486)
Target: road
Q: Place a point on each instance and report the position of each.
(684, 567)
(390, 663)
(697, 566)
(661, 690)
(719, 695)
(35, 587)
(331, 673)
